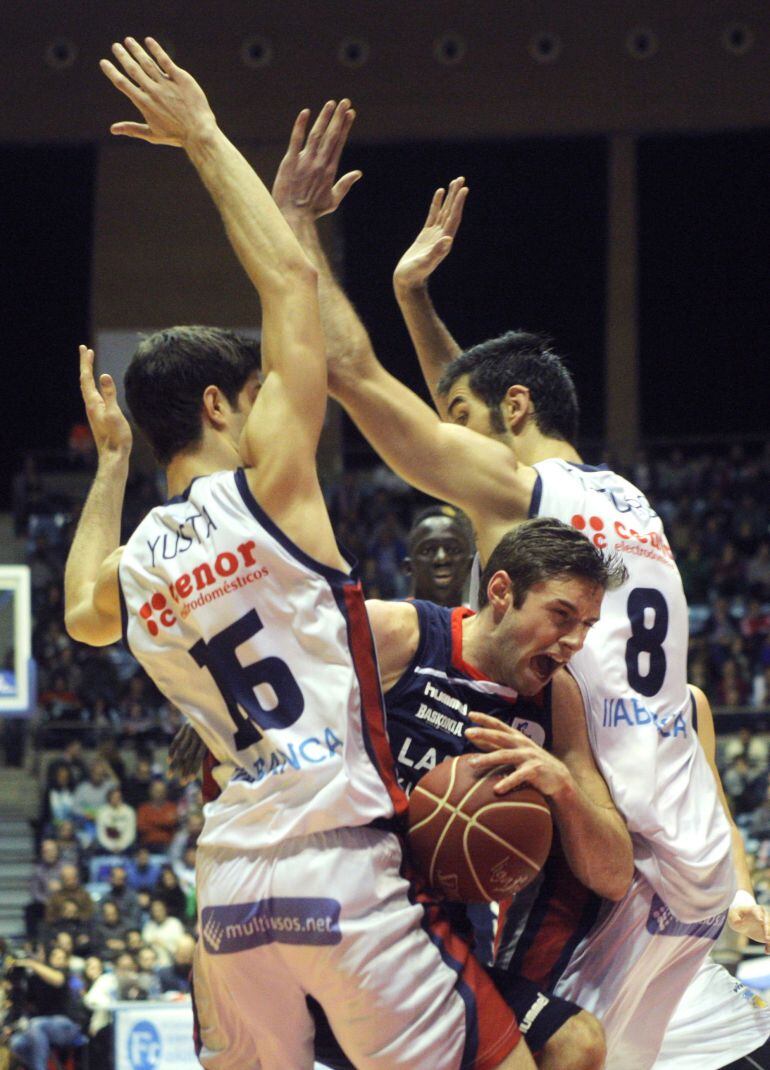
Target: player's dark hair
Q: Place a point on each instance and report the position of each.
(451, 512)
(168, 373)
(543, 548)
(526, 359)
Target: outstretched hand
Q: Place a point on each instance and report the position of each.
(172, 103)
(110, 428)
(435, 239)
(305, 182)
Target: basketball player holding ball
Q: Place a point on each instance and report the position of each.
(440, 666)
(504, 453)
(299, 870)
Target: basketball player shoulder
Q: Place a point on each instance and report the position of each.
(396, 631)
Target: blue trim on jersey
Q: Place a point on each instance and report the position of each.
(590, 467)
(537, 494)
(329, 573)
(123, 615)
(694, 713)
(184, 496)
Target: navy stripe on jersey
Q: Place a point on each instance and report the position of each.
(184, 496)
(694, 710)
(537, 494)
(123, 615)
(589, 467)
(329, 573)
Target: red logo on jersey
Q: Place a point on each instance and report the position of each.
(593, 528)
(159, 605)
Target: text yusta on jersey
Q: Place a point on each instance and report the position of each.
(631, 712)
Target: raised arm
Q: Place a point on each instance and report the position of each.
(745, 916)
(434, 345)
(91, 600)
(449, 462)
(281, 434)
(593, 834)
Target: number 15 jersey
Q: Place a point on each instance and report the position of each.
(270, 655)
(632, 672)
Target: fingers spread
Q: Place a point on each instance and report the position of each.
(161, 57)
(130, 66)
(435, 208)
(119, 80)
(322, 121)
(297, 139)
(129, 129)
(147, 64)
(87, 384)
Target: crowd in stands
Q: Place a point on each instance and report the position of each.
(112, 908)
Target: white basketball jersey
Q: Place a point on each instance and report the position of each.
(270, 655)
(632, 672)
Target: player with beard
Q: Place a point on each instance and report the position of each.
(448, 674)
(505, 452)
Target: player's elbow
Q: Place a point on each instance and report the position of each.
(89, 628)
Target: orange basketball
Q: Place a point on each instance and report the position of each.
(470, 844)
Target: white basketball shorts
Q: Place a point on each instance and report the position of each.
(331, 916)
(632, 969)
(717, 1021)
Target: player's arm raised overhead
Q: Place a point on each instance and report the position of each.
(434, 345)
(91, 600)
(281, 434)
(745, 916)
(448, 461)
(594, 836)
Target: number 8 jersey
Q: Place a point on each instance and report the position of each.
(632, 672)
(270, 656)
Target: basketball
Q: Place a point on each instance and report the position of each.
(470, 844)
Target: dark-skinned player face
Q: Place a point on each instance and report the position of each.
(440, 555)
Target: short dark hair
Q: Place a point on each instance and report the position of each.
(543, 548)
(525, 358)
(167, 376)
(443, 509)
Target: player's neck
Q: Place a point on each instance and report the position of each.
(217, 455)
(532, 446)
(475, 647)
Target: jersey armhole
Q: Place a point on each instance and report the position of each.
(395, 691)
(123, 615)
(536, 498)
(694, 711)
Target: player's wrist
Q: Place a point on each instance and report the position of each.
(565, 789)
(407, 287)
(112, 460)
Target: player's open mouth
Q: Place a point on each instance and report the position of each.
(544, 666)
(442, 574)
